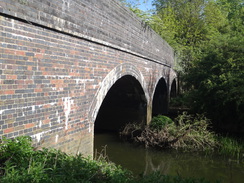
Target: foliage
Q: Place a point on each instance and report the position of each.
(180, 101)
(218, 77)
(20, 163)
(208, 37)
(187, 133)
(159, 122)
(194, 133)
(230, 146)
(16, 148)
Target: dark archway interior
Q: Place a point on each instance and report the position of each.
(173, 91)
(160, 99)
(125, 102)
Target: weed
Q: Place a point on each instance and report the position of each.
(230, 146)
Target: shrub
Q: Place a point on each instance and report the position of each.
(19, 162)
(159, 122)
(188, 132)
(193, 133)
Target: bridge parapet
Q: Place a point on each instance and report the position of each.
(106, 22)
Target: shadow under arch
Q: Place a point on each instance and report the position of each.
(124, 103)
(173, 89)
(125, 79)
(160, 98)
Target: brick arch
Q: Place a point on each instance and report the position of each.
(164, 74)
(160, 104)
(169, 75)
(112, 77)
(172, 77)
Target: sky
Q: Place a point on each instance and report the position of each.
(145, 6)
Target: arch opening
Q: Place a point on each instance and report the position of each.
(173, 90)
(125, 102)
(160, 99)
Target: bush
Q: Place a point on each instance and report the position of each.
(187, 133)
(159, 122)
(19, 162)
(193, 133)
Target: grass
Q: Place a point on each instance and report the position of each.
(230, 146)
(21, 163)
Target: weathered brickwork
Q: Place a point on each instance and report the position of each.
(58, 61)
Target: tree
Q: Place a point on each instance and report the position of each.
(208, 35)
(218, 82)
(182, 26)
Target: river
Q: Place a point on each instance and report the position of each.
(144, 161)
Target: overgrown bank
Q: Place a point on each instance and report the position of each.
(21, 163)
(186, 132)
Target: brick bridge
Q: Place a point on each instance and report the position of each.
(72, 67)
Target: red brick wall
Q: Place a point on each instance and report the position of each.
(52, 82)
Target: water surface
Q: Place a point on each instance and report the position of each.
(144, 161)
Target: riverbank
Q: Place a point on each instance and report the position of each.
(185, 133)
(20, 162)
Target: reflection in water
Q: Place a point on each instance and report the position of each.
(144, 161)
(153, 165)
